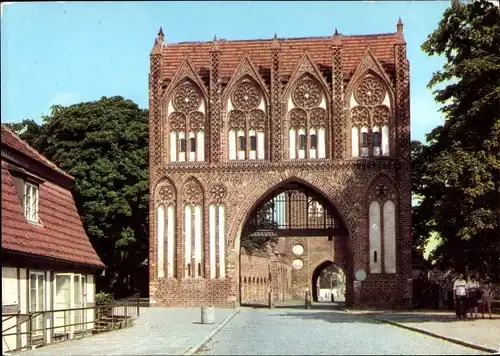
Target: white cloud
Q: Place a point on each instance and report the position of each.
(64, 99)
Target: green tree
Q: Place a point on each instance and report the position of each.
(104, 145)
(457, 173)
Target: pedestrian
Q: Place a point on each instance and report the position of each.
(449, 290)
(460, 295)
(474, 295)
(487, 291)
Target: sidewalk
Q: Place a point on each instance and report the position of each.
(158, 331)
(481, 334)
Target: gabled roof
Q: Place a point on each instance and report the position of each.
(9, 138)
(60, 234)
(292, 49)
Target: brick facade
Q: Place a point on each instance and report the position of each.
(337, 65)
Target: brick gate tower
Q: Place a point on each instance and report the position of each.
(236, 127)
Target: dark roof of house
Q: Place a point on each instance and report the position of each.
(292, 49)
(60, 234)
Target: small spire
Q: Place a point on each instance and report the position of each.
(399, 26)
(336, 32)
(215, 44)
(161, 37)
(276, 42)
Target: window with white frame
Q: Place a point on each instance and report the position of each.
(31, 201)
(69, 294)
(36, 300)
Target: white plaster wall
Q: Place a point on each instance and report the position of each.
(202, 107)
(262, 104)
(232, 144)
(170, 107)
(173, 146)
(192, 154)
(374, 238)
(389, 237)
(241, 153)
(187, 232)
(170, 241)
(292, 139)
(23, 301)
(321, 143)
(312, 151)
(261, 140)
(212, 212)
(352, 101)
(222, 241)
(198, 237)
(385, 140)
(387, 100)
(377, 150)
(160, 221)
(90, 300)
(302, 152)
(322, 104)
(355, 141)
(200, 146)
(182, 155)
(252, 154)
(10, 296)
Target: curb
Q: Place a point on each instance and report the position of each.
(194, 349)
(430, 333)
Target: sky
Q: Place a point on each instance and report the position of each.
(64, 53)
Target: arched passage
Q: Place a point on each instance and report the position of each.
(333, 280)
(291, 209)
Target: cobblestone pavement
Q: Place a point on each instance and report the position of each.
(480, 332)
(294, 331)
(159, 331)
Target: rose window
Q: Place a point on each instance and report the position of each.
(237, 119)
(177, 121)
(370, 92)
(360, 115)
(246, 96)
(196, 120)
(257, 119)
(318, 117)
(298, 118)
(165, 193)
(307, 94)
(381, 114)
(218, 192)
(186, 98)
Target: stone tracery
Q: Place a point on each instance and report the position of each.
(370, 91)
(186, 98)
(246, 96)
(307, 94)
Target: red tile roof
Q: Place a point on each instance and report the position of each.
(292, 49)
(60, 235)
(10, 139)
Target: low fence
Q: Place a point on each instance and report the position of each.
(24, 331)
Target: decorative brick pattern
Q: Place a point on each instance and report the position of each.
(342, 181)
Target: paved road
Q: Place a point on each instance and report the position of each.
(315, 332)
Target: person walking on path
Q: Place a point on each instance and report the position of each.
(474, 291)
(487, 291)
(460, 295)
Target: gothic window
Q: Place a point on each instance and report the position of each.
(314, 141)
(217, 239)
(187, 120)
(165, 237)
(246, 122)
(253, 143)
(192, 143)
(193, 229)
(370, 119)
(382, 230)
(302, 142)
(307, 121)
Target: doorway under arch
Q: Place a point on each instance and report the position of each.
(291, 209)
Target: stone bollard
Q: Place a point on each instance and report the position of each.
(308, 300)
(207, 315)
(271, 303)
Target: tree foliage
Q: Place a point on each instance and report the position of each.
(104, 145)
(457, 173)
